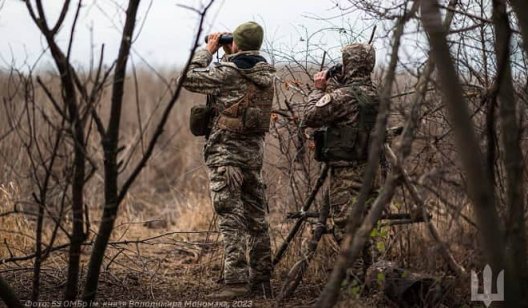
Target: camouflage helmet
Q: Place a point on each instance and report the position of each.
(358, 60)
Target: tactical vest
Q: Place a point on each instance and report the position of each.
(251, 114)
(348, 142)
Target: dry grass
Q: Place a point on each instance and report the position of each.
(171, 195)
(15, 229)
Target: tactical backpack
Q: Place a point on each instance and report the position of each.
(348, 142)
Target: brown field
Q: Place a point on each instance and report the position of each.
(460, 65)
(165, 246)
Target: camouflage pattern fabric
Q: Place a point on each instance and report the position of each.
(241, 209)
(338, 106)
(345, 183)
(235, 161)
(228, 85)
(358, 62)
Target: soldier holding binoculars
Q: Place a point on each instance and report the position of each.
(343, 107)
(235, 120)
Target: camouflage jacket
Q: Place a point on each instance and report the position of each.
(226, 82)
(338, 105)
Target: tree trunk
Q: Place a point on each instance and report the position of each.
(479, 184)
(513, 158)
(520, 7)
(69, 96)
(110, 144)
(71, 102)
(78, 235)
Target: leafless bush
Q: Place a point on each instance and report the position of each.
(460, 90)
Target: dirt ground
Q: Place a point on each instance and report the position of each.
(175, 269)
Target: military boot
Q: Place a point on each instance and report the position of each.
(230, 291)
(261, 289)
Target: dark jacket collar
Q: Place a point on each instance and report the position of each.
(246, 60)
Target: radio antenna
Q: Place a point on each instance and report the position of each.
(322, 62)
(372, 34)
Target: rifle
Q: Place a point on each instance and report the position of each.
(302, 218)
(297, 272)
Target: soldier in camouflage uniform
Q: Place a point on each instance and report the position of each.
(234, 154)
(335, 103)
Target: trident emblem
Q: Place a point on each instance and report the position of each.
(487, 297)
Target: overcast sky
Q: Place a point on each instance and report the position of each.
(166, 29)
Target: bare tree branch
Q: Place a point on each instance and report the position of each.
(110, 143)
(480, 188)
(165, 116)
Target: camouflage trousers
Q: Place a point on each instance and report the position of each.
(239, 200)
(345, 184)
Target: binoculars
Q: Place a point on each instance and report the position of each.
(224, 39)
(334, 71)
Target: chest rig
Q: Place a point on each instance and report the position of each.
(338, 142)
(251, 114)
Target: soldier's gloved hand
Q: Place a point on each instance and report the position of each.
(234, 176)
(213, 42)
(320, 80)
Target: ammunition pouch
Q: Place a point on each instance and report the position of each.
(200, 120)
(346, 143)
(251, 115)
(350, 142)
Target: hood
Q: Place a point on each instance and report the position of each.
(254, 67)
(358, 61)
